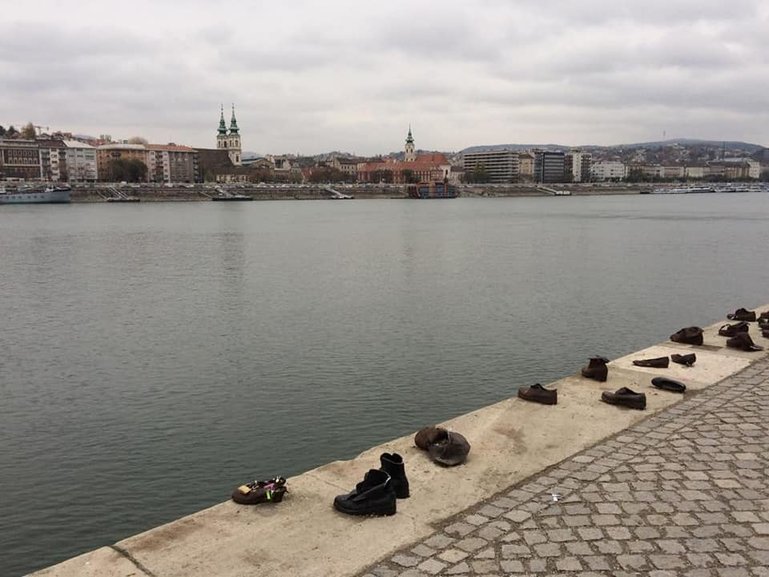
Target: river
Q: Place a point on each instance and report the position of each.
(155, 355)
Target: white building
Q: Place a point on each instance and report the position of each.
(608, 170)
(81, 161)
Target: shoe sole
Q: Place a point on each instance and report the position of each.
(629, 405)
(384, 513)
(540, 401)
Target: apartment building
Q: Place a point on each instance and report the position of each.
(171, 163)
(578, 165)
(20, 160)
(549, 167)
(53, 160)
(106, 153)
(81, 161)
(498, 165)
(608, 170)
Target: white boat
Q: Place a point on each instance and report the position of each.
(43, 195)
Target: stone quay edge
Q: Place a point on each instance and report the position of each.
(511, 441)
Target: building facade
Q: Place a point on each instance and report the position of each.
(107, 153)
(81, 161)
(169, 163)
(608, 170)
(549, 167)
(578, 166)
(497, 165)
(20, 160)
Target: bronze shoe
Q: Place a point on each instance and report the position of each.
(625, 398)
(538, 394)
(658, 363)
(596, 369)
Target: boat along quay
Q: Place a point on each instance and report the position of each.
(580, 487)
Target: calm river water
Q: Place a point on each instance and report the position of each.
(153, 356)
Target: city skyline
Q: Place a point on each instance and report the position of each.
(309, 79)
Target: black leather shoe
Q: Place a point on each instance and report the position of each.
(742, 315)
(658, 363)
(669, 384)
(686, 360)
(596, 369)
(373, 496)
(736, 328)
(625, 398)
(688, 336)
(392, 464)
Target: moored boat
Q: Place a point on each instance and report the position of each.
(40, 195)
(437, 189)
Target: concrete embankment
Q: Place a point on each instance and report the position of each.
(511, 441)
(204, 192)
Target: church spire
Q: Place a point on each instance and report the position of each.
(233, 123)
(410, 151)
(222, 125)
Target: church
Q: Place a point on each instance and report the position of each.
(229, 140)
(425, 167)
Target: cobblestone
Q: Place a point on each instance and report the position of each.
(681, 494)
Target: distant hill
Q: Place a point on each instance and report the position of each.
(728, 145)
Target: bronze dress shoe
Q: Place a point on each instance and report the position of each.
(625, 397)
(742, 315)
(736, 328)
(538, 394)
(657, 363)
(688, 336)
(686, 360)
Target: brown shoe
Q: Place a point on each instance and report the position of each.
(743, 342)
(538, 394)
(625, 398)
(429, 435)
(736, 328)
(688, 336)
(658, 363)
(742, 315)
(596, 369)
(686, 360)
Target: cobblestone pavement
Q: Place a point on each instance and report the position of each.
(683, 493)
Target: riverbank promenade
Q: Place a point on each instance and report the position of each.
(683, 493)
(580, 488)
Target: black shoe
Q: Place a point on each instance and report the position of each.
(668, 384)
(372, 496)
(742, 315)
(596, 369)
(743, 342)
(625, 398)
(688, 335)
(392, 464)
(686, 360)
(658, 363)
(732, 330)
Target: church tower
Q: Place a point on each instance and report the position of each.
(411, 154)
(234, 140)
(221, 136)
(229, 141)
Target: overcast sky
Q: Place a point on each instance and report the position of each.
(309, 77)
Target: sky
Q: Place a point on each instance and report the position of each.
(310, 77)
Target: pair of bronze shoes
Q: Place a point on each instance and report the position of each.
(255, 492)
(447, 448)
(687, 360)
